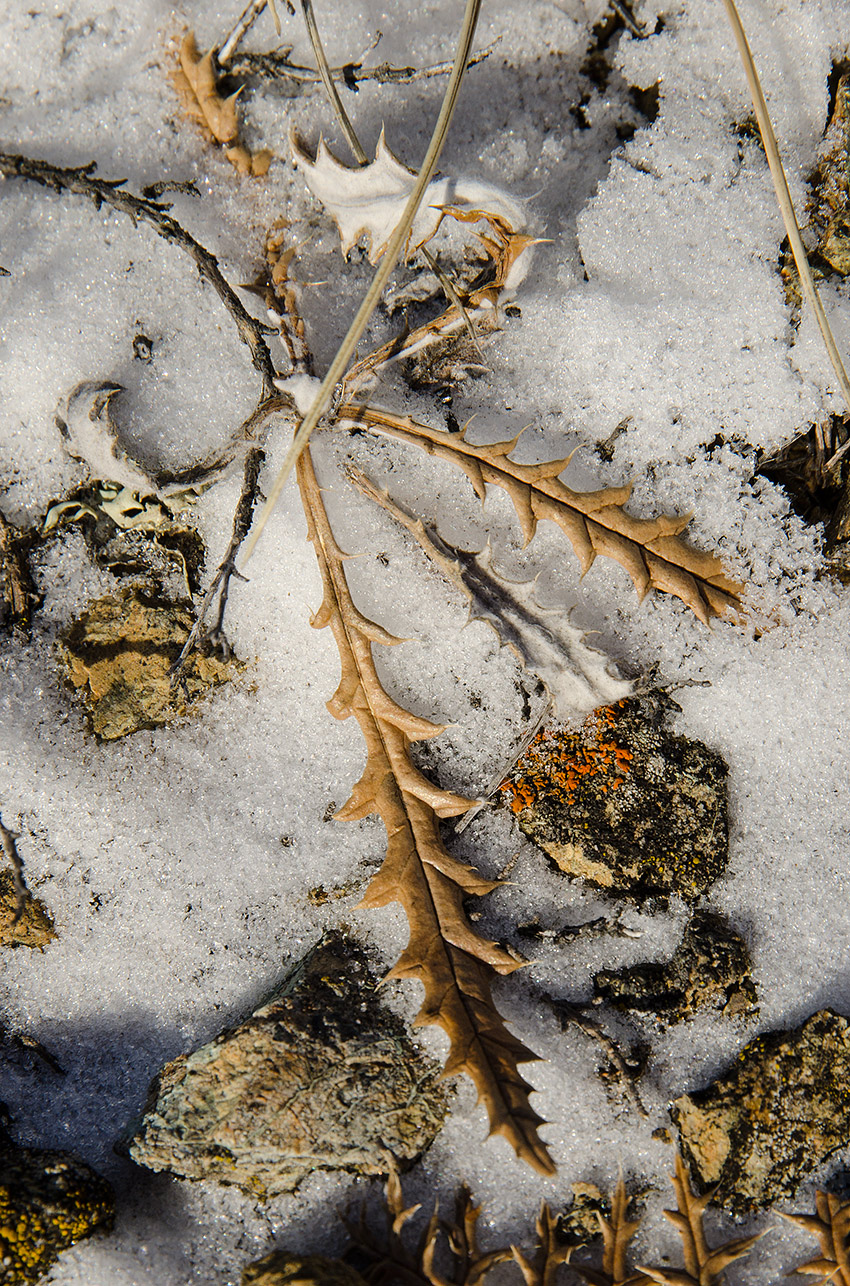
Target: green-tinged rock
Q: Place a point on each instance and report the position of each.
(33, 927)
(48, 1200)
(762, 1127)
(119, 655)
(710, 968)
(321, 1076)
(624, 804)
(282, 1269)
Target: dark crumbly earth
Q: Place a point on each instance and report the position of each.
(710, 968)
(624, 803)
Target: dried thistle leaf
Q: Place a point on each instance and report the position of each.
(831, 1226)
(703, 1267)
(444, 953)
(368, 201)
(196, 83)
(594, 521)
(550, 1253)
(617, 1232)
(578, 678)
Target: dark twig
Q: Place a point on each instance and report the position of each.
(243, 25)
(220, 584)
(13, 857)
(573, 1014)
(81, 182)
(278, 67)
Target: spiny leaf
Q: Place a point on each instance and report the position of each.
(594, 521)
(831, 1226)
(578, 678)
(703, 1267)
(444, 953)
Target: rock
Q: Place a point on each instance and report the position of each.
(782, 1108)
(579, 1225)
(119, 654)
(711, 967)
(282, 1269)
(48, 1200)
(33, 928)
(321, 1076)
(624, 804)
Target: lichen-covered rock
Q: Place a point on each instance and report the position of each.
(48, 1200)
(282, 1269)
(321, 1076)
(33, 928)
(625, 804)
(119, 655)
(783, 1107)
(710, 967)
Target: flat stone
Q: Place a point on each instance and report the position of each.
(321, 1077)
(762, 1127)
(624, 804)
(33, 928)
(48, 1201)
(709, 969)
(119, 654)
(282, 1269)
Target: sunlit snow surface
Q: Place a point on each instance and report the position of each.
(657, 298)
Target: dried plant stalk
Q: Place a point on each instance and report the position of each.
(594, 521)
(453, 963)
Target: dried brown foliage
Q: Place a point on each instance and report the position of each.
(617, 1232)
(831, 1226)
(444, 953)
(197, 83)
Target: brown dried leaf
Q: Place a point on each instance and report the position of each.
(594, 521)
(831, 1226)
(703, 1267)
(617, 1232)
(197, 88)
(444, 953)
(550, 1253)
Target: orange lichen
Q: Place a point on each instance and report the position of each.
(567, 763)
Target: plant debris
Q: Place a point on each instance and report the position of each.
(196, 82)
(623, 803)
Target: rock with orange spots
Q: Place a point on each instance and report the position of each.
(710, 968)
(624, 803)
(48, 1200)
(768, 1122)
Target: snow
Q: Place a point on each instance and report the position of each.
(657, 298)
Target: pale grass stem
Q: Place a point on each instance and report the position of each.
(783, 196)
(379, 281)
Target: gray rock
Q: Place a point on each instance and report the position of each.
(48, 1200)
(625, 804)
(782, 1108)
(710, 967)
(321, 1076)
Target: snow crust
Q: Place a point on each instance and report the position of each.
(177, 863)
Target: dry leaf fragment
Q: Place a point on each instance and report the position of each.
(578, 678)
(594, 521)
(703, 1267)
(444, 953)
(831, 1226)
(197, 88)
(368, 201)
(617, 1232)
(549, 1254)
